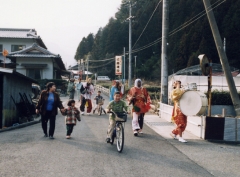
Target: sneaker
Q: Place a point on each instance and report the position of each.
(135, 132)
(182, 140)
(140, 131)
(51, 137)
(108, 140)
(45, 135)
(67, 137)
(88, 114)
(174, 136)
(82, 113)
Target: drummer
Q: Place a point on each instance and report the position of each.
(177, 116)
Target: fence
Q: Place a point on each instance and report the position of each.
(104, 90)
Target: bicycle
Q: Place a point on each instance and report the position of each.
(100, 109)
(118, 132)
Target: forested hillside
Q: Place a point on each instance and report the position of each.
(189, 36)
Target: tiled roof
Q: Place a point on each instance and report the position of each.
(18, 33)
(35, 56)
(33, 51)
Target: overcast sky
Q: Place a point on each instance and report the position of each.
(60, 23)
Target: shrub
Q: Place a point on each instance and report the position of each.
(59, 83)
(221, 98)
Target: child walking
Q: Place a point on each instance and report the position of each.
(72, 115)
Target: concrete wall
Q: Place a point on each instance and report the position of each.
(46, 73)
(12, 85)
(195, 124)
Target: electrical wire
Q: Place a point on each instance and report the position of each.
(170, 33)
(92, 67)
(174, 31)
(147, 23)
(101, 60)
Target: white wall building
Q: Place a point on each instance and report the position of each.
(29, 55)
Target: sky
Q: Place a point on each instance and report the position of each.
(60, 23)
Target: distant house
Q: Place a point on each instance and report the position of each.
(29, 55)
(76, 71)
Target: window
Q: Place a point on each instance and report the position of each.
(34, 73)
(17, 47)
(1, 47)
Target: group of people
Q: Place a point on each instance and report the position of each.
(48, 103)
(137, 96)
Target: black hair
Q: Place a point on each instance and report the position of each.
(99, 91)
(49, 85)
(70, 102)
(116, 93)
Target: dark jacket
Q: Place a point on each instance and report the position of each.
(42, 103)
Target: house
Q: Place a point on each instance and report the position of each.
(12, 83)
(14, 40)
(29, 55)
(38, 63)
(77, 71)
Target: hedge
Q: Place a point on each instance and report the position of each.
(60, 84)
(221, 98)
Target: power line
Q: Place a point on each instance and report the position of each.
(170, 33)
(93, 67)
(101, 60)
(203, 12)
(191, 21)
(147, 23)
(175, 30)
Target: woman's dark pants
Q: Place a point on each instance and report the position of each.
(82, 107)
(69, 129)
(45, 118)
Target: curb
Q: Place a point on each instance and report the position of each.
(20, 126)
(224, 142)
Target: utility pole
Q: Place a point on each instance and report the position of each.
(124, 57)
(164, 64)
(130, 46)
(87, 66)
(224, 61)
(224, 44)
(79, 62)
(135, 68)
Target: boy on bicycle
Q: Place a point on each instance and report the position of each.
(98, 98)
(117, 105)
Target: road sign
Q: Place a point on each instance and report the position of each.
(118, 65)
(5, 53)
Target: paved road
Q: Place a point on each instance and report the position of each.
(25, 152)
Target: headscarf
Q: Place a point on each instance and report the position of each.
(136, 83)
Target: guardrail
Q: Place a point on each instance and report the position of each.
(104, 90)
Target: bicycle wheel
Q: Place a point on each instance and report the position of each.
(120, 137)
(100, 110)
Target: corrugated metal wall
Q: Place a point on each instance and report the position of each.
(12, 85)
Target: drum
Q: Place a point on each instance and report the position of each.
(192, 86)
(193, 103)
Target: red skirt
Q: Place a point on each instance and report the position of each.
(181, 122)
